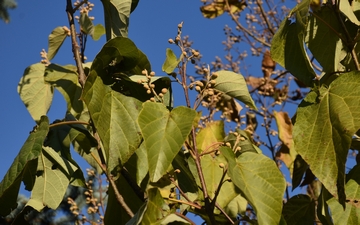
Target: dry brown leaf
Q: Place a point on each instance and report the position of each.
(285, 127)
(268, 64)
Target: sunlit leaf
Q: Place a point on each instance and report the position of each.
(56, 39)
(88, 27)
(258, 178)
(209, 137)
(9, 186)
(164, 133)
(234, 85)
(351, 213)
(52, 179)
(171, 62)
(114, 116)
(117, 14)
(34, 92)
(65, 80)
(346, 8)
(326, 121)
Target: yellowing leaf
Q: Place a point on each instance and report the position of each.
(210, 136)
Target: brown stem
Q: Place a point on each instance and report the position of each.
(180, 190)
(75, 46)
(271, 29)
(118, 196)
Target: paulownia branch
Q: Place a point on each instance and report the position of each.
(118, 196)
(195, 152)
(271, 29)
(243, 28)
(75, 46)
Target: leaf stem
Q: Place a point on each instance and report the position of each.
(67, 123)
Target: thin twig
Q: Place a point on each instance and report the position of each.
(75, 46)
(271, 29)
(244, 29)
(184, 202)
(180, 190)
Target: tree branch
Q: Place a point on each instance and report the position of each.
(75, 46)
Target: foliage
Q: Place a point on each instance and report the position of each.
(161, 161)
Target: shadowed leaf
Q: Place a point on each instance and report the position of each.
(56, 39)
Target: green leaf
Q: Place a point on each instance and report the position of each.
(234, 85)
(171, 62)
(287, 47)
(117, 14)
(88, 27)
(164, 133)
(299, 210)
(56, 39)
(65, 80)
(156, 208)
(52, 179)
(34, 92)
(352, 210)
(212, 175)
(209, 137)
(119, 56)
(325, 123)
(114, 116)
(236, 206)
(9, 186)
(242, 139)
(137, 166)
(328, 54)
(258, 178)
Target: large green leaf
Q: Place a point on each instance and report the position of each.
(119, 56)
(234, 85)
(325, 123)
(171, 62)
(164, 133)
(287, 46)
(65, 80)
(260, 181)
(352, 210)
(114, 116)
(116, 14)
(331, 52)
(34, 92)
(300, 209)
(52, 179)
(9, 186)
(88, 27)
(56, 39)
